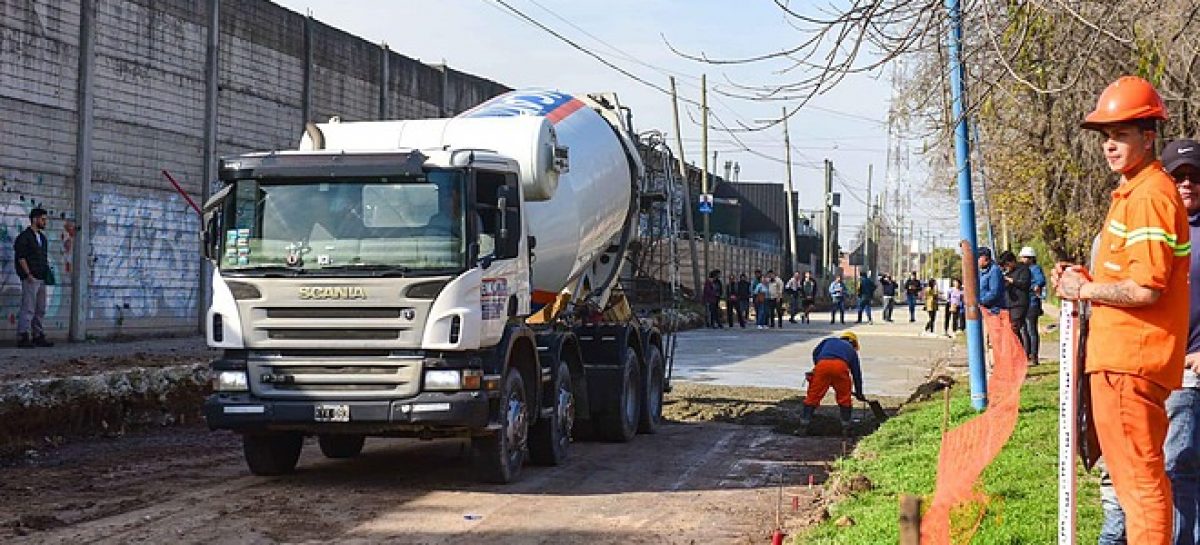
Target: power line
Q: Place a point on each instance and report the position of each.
(521, 15)
(513, 11)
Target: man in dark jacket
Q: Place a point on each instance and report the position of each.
(732, 304)
(33, 267)
(912, 290)
(743, 298)
(1017, 280)
(866, 292)
(889, 295)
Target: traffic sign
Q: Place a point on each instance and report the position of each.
(706, 203)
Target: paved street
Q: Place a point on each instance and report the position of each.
(895, 357)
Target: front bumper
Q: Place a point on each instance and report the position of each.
(426, 411)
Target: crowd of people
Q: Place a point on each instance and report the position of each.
(766, 299)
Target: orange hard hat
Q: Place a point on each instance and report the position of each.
(1130, 98)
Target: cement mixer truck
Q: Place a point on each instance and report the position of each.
(440, 278)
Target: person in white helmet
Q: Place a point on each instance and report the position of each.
(1037, 287)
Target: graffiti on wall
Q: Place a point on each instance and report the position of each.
(145, 258)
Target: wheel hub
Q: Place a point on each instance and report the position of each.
(566, 411)
(516, 432)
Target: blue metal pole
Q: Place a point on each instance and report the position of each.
(966, 204)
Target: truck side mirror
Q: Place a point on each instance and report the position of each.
(210, 236)
(532, 241)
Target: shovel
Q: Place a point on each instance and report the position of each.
(877, 411)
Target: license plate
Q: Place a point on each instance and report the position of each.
(331, 413)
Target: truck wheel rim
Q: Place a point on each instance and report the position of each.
(516, 432)
(566, 412)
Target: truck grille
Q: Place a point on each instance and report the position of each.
(318, 313)
(345, 326)
(347, 377)
(299, 334)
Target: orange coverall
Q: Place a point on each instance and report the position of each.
(1135, 354)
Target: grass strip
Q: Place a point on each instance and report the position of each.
(1019, 488)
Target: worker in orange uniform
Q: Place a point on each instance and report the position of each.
(1139, 300)
(836, 360)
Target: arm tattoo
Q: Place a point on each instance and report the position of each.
(1123, 294)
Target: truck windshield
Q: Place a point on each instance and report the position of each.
(402, 225)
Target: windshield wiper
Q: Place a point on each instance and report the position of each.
(268, 270)
(376, 270)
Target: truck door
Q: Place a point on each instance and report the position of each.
(503, 251)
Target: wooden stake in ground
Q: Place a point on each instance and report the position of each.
(945, 409)
(910, 520)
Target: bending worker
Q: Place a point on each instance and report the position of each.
(836, 360)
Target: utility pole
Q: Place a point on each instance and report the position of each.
(966, 207)
(867, 249)
(704, 160)
(912, 236)
(897, 264)
(877, 234)
(827, 234)
(791, 211)
(688, 203)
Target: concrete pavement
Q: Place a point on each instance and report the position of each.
(896, 358)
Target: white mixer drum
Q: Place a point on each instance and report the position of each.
(590, 206)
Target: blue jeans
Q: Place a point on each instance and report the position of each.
(864, 303)
(1182, 453)
(1112, 531)
(839, 307)
(760, 314)
(912, 308)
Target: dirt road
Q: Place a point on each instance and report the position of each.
(694, 482)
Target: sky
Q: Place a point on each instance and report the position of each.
(847, 125)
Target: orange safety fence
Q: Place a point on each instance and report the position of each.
(967, 449)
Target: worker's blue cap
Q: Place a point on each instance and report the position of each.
(984, 251)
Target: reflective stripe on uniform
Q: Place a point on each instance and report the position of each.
(1150, 234)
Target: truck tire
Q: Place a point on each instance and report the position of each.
(341, 446)
(550, 438)
(498, 456)
(270, 454)
(652, 394)
(618, 420)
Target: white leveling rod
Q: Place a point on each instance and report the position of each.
(1068, 392)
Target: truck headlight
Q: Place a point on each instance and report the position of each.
(231, 381)
(443, 379)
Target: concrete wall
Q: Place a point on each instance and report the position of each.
(277, 69)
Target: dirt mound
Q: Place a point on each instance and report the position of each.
(34, 412)
(931, 388)
(779, 408)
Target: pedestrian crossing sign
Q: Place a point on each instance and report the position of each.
(706, 203)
